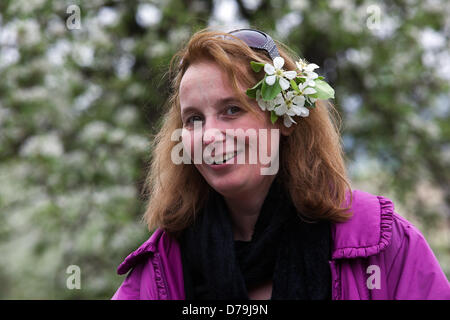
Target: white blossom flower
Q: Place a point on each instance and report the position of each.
(293, 105)
(303, 66)
(49, 145)
(308, 70)
(268, 105)
(275, 72)
(306, 89)
(290, 102)
(288, 121)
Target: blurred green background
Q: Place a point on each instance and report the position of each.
(80, 99)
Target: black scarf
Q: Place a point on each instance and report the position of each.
(291, 252)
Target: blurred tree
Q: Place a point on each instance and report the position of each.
(78, 108)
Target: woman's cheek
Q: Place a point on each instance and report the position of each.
(188, 143)
(193, 145)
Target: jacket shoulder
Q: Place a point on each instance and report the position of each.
(156, 270)
(149, 247)
(368, 231)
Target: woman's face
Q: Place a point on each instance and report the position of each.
(209, 105)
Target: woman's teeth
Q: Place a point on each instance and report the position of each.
(227, 157)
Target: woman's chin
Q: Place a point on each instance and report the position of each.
(227, 186)
(235, 181)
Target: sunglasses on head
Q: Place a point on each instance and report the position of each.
(256, 39)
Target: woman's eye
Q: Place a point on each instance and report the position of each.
(232, 110)
(190, 120)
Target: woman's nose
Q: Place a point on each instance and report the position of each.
(208, 139)
(212, 131)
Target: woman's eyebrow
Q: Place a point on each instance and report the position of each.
(218, 103)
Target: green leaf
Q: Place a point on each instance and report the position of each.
(257, 66)
(324, 90)
(294, 85)
(273, 117)
(310, 104)
(252, 91)
(320, 78)
(270, 92)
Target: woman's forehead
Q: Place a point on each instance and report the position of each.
(205, 78)
(204, 70)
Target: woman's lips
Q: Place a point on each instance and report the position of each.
(227, 163)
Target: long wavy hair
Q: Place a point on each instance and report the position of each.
(312, 166)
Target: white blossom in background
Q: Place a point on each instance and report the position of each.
(8, 34)
(351, 103)
(83, 54)
(353, 18)
(431, 39)
(225, 11)
(226, 14)
(57, 53)
(107, 16)
(338, 4)
(126, 116)
(298, 5)
(387, 27)
(431, 128)
(287, 23)
(8, 56)
(29, 32)
(94, 130)
(26, 6)
(85, 100)
(361, 57)
(251, 4)
(116, 135)
(55, 27)
(4, 114)
(148, 15)
(137, 143)
(436, 55)
(124, 65)
(45, 145)
(158, 49)
(178, 35)
(127, 44)
(97, 33)
(104, 196)
(35, 93)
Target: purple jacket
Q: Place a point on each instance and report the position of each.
(376, 254)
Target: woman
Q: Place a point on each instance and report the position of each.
(273, 216)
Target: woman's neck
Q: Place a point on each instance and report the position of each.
(244, 210)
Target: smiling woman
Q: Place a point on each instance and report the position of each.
(206, 85)
(223, 230)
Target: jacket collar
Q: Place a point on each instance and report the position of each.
(147, 248)
(366, 233)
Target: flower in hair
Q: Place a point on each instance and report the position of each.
(275, 72)
(288, 93)
(293, 105)
(268, 105)
(308, 71)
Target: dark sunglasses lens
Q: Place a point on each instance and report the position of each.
(251, 38)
